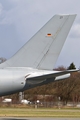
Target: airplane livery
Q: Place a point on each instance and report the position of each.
(33, 64)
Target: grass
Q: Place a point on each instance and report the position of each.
(25, 112)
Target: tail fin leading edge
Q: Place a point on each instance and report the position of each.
(43, 49)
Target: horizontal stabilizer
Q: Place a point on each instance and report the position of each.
(40, 78)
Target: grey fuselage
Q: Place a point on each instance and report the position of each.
(13, 80)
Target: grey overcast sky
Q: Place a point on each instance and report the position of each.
(21, 19)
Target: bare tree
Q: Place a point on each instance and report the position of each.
(2, 60)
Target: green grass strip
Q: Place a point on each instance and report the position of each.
(24, 112)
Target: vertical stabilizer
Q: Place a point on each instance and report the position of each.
(43, 49)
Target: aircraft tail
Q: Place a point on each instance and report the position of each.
(43, 49)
